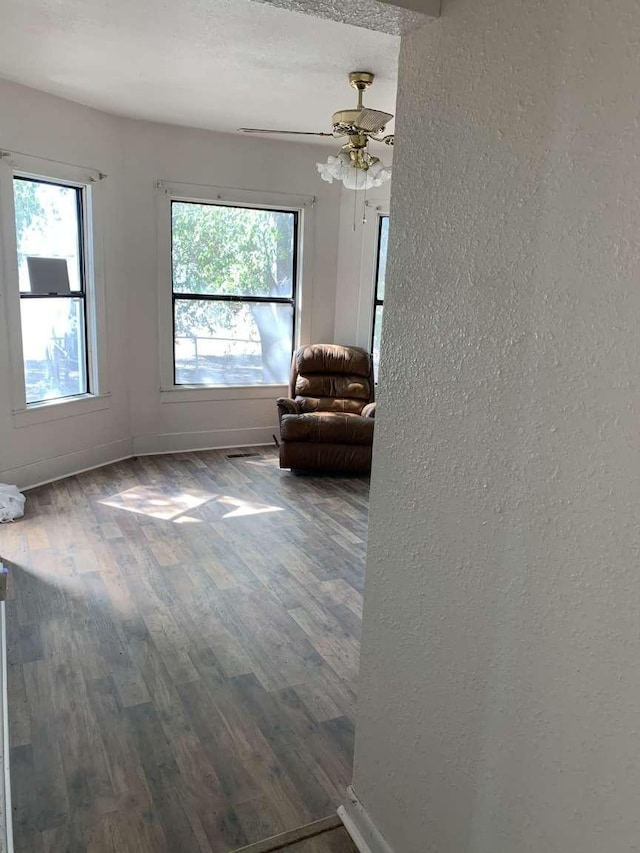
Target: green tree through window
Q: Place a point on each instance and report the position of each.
(233, 272)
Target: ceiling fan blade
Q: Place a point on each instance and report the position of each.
(389, 139)
(372, 121)
(288, 132)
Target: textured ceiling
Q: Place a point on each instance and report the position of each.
(371, 14)
(217, 64)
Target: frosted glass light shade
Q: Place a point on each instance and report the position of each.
(339, 168)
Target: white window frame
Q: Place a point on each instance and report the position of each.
(380, 215)
(89, 182)
(370, 237)
(229, 197)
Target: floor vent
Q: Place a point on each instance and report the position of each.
(240, 455)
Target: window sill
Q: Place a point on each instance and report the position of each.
(200, 394)
(38, 413)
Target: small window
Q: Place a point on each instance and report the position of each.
(378, 299)
(234, 273)
(49, 222)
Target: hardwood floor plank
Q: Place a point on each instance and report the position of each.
(20, 728)
(223, 830)
(287, 839)
(162, 775)
(337, 841)
(123, 832)
(219, 743)
(126, 773)
(183, 637)
(81, 747)
(49, 806)
(23, 790)
(258, 819)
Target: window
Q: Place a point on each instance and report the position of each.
(50, 244)
(378, 299)
(233, 272)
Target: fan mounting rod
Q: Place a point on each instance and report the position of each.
(361, 80)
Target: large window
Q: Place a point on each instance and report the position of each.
(378, 299)
(234, 274)
(49, 222)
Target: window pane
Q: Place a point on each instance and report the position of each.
(47, 226)
(232, 343)
(232, 250)
(53, 343)
(382, 256)
(377, 337)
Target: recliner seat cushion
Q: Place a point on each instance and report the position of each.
(329, 427)
(331, 405)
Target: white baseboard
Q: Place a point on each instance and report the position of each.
(57, 467)
(364, 833)
(215, 439)
(68, 464)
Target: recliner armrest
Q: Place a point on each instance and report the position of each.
(369, 411)
(287, 406)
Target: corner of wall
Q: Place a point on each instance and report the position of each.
(364, 833)
(67, 464)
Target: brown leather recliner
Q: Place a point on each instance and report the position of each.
(327, 423)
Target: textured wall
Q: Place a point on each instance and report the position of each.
(500, 691)
(385, 16)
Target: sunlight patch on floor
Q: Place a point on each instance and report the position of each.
(159, 502)
(263, 463)
(178, 506)
(246, 507)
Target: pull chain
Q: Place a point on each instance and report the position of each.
(355, 204)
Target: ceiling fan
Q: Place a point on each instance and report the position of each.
(359, 125)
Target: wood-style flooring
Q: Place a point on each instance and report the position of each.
(183, 637)
(337, 841)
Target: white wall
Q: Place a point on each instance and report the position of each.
(159, 152)
(135, 155)
(41, 125)
(500, 684)
(358, 243)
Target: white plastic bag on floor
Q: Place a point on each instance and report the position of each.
(11, 503)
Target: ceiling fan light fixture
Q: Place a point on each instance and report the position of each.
(341, 168)
(354, 166)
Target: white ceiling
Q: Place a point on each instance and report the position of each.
(216, 64)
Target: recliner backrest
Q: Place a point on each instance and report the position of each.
(332, 378)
